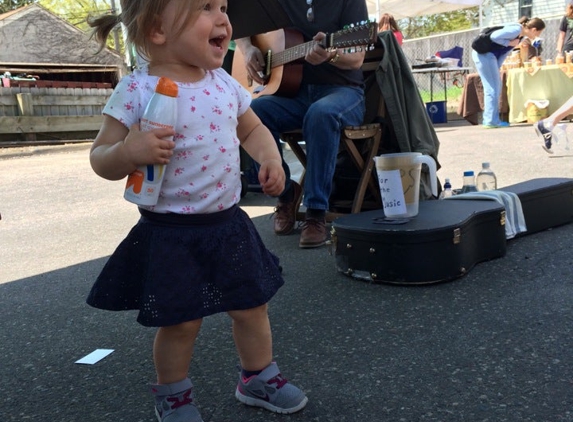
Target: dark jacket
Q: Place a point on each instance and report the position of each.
(405, 110)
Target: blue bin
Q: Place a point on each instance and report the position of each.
(437, 111)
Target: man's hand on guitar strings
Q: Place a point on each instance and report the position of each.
(255, 63)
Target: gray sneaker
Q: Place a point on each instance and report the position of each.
(174, 402)
(270, 391)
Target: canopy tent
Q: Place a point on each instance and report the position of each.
(270, 15)
(401, 9)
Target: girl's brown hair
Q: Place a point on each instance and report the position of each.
(387, 20)
(140, 17)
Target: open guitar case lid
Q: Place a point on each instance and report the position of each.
(251, 17)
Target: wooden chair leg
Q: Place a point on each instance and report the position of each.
(292, 139)
(367, 177)
(349, 139)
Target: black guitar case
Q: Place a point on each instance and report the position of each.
(546, 202)
(446, 239)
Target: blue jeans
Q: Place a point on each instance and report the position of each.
(488, 66)
(322, 111)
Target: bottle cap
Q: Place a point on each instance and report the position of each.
(485, 165)
(167, 87)
(469, 173)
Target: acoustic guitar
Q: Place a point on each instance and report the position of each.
(282, 50)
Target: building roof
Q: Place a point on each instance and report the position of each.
(33, 36)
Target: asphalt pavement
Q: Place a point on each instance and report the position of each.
(495, 345)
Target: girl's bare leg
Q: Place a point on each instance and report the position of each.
(253, 338)
(173, 349)
(563, 111)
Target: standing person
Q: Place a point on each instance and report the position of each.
(388, 23)
(565, 38)
(331, 96)
(195, 253)
(503, 40)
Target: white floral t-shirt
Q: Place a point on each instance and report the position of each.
(203, 175)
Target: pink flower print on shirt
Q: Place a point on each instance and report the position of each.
(227, 168)
(179, 171)
(129, 106)
(214, 128)
(221, 186)
(231, 106)
(222, 149)
(204, 195)
(206, 92)
(217, 110)
(193, 108)
(182, 193)
(203, 168)
(219, 88)
(183, 155)
(199, 137)
(220, 207)
(132, 87)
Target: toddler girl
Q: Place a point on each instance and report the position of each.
(195, 253)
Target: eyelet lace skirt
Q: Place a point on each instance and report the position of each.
(175, 268)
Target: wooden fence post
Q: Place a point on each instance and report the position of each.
(26, 108)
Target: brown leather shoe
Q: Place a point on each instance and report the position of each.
(285, 212)
(313, 233)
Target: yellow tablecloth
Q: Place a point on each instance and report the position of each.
(547, 83)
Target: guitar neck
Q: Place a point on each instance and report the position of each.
(349, 37)
(291, 54)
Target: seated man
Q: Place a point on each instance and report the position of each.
(330, 97)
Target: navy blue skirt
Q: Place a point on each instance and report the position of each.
(175, 268)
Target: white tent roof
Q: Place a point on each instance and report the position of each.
(409, 8)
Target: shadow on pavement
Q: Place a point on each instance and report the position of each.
(495, 345)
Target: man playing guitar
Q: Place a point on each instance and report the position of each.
(330, 97)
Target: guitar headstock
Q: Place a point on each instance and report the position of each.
(362, 34)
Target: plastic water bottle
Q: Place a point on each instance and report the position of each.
(486, 179)
(469, 182)
(144, 184)
(447, 192)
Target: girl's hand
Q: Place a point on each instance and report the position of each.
(150, 147)
(272, 177)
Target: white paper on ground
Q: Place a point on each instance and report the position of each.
(95, 356)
